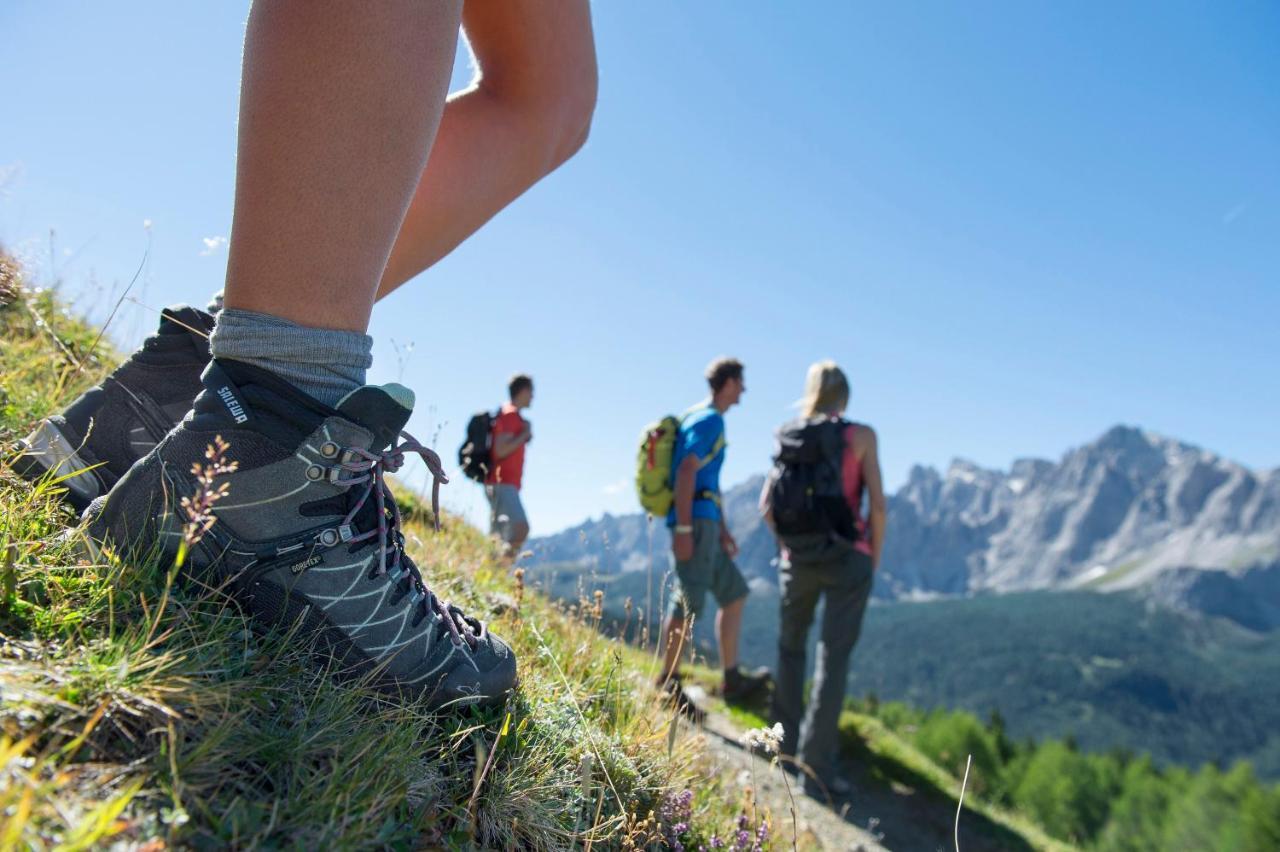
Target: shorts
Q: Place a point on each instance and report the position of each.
(505, 510)
(710, 570)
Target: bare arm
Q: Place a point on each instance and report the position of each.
(686, 479)
(507, 443)
(527, 112)
(766, 506)
(875, 491)
(686, 476)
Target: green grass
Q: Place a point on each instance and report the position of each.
(135, 712)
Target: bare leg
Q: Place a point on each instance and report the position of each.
(728, 629)
(339, 107)
(519, 532)
(528, 111)
(673, 636)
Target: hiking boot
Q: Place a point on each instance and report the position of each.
(745, 684)
(98, 437)
(673, 691)
(307, 530)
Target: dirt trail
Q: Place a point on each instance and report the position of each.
(880, 814)
(818, 827)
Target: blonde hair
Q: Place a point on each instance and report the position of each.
(826, 390)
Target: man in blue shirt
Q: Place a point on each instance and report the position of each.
(703, 547)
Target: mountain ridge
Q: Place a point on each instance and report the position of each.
(1131, 510)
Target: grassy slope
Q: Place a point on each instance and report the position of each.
(134, 711)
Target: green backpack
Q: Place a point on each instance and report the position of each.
(653, 466)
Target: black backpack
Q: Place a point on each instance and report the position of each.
(806, 490)
(474, 456)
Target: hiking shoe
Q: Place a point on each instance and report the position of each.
(307, 531)
(744, 684)
(100, 435)
(674, 695)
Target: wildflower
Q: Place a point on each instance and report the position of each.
(8, 280)
(199, 506)
(519, 578)
(768, 740)
(762, 835)
(674, 817)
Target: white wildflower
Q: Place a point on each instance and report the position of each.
(768, 739)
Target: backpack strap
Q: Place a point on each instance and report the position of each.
(716, 449)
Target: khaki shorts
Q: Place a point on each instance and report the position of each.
(710, 570)
(505, 510)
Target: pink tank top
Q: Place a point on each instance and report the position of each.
(851, 473)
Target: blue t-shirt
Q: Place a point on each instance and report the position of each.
(701, 435)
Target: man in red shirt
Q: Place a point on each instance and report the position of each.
(502, 486)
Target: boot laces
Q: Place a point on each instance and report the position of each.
(370, 469)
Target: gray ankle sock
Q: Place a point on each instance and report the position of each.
(322, 362)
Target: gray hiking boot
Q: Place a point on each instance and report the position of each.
(98, 437)
(307, 531)
(743, 685)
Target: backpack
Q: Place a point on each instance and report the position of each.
(654, 486)
(474, 456)
(805, 486)
(653, 466)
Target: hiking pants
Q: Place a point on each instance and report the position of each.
(844, 577)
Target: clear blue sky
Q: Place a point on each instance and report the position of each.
(1015, 224)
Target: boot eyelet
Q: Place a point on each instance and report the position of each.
(329, 449)
(315, 473)
(329, 538)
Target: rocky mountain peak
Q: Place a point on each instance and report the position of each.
(1131, 509)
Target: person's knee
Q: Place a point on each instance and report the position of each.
(734, 607)
(519, 532)
(579, 112)
(793, 630)
(577, 109)
(673, 629)
(838, 649)
(792, 640)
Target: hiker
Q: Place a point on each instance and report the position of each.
(812, 500)
(511, 433)
(353, 175)
(703, 547)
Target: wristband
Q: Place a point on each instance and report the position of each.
(681, 529)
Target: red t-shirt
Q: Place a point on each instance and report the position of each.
(508, 470)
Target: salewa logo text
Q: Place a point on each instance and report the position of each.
(233, 404)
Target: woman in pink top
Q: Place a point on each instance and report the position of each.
(835, 568)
